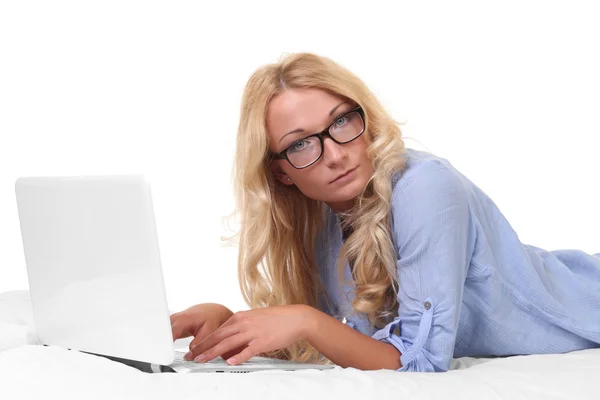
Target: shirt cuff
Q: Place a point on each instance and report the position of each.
(413, 357)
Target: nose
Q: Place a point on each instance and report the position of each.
(333, 153)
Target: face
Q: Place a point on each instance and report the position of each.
(343, 170)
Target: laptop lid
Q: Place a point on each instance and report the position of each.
(93, 265)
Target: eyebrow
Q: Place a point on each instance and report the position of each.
(302, 130)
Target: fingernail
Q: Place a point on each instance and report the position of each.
(231, 361)
(200, 358)
(188, 356)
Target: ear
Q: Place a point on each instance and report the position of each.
(279, 174)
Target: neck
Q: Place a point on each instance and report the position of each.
(341, 206)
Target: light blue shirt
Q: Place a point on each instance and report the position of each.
(467, 285)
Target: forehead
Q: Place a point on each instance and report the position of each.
(306, 109)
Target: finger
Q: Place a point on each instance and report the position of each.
(244, 355)
(174, 317)
(238, 317)
(228, 354)
(230, 321)
(228, 344)
(180, 329)
(213, 339)
(202, 334)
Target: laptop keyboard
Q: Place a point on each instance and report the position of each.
(179, 359)
(221, 362)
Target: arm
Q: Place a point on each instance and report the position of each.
(432, 229)
(435, 236)
(333, 339)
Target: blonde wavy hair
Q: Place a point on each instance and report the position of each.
(279, 225)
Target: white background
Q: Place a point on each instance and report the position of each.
(508, 92)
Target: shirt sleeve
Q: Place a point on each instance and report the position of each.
(433, 234)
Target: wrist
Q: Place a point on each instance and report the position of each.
(308, 321)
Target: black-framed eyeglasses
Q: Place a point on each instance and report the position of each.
(307, 151)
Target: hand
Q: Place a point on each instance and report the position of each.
(261, 330)
(199, 321)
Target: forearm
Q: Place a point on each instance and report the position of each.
(347, 347)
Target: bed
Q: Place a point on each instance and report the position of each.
(28, 370)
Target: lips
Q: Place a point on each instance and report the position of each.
(343, 175)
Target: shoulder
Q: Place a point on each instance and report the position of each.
(429, 199)
(427, 181)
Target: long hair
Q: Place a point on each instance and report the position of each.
(276, 263)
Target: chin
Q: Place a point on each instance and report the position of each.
(348, 192)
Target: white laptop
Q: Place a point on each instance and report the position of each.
(95, 275)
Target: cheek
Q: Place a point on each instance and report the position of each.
(362, 144)
(364, 157)
(310, 182)
(303, 179)
(307, 178)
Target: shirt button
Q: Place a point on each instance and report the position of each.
(427, 305)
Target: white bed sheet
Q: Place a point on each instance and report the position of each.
(28, 371)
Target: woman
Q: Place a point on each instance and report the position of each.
(348, 224)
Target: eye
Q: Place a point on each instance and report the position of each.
(341, 121)
(299, 146)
